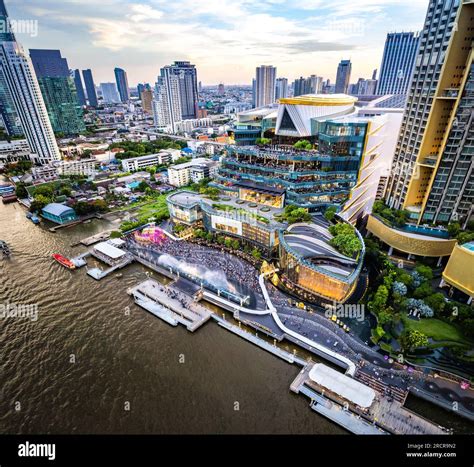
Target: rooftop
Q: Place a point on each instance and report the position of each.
(109, 250)
(343, 385)
(57, 209)
(320, 99)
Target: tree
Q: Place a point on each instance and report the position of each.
(453, 229)
(412, 339)
(436, 302)
(303, 144)
(330, 213)
(425, 271)
(235, 244)
(378, 302)
(21, 191)
(263, 141)
(256, 254)
(39, 203)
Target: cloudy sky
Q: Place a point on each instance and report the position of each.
(226, 39)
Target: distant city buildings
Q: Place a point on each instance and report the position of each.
(19, 76)
(310, 85)
(59, 91)
(265, 85)
(122, 84)
(397, 63)
(110, 94)
(221, 89)
(146, 97)
(281, 88)
(343, 76)
(90, 88)
(167, 102)
(81, 96)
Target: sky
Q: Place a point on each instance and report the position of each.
(225, 39)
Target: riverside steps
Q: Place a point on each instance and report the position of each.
(170, 304)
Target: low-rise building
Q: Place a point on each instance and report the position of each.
(142, 162)
(58, 213)
(81, 167)
(14, 151)
(46, 173)
(182, 174)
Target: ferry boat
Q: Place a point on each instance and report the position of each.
(67, 263)
(33, 218)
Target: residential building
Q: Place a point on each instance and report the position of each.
(122, 84)
(185, 74)
(80, 167)
(90, 88)
(180, 175)
(146, 97)
(432, 173)
(19, 75)
(167, 102)
(281, 89)
(14, 151)
(59, 91)
(397, 62)
(265, 85)
(58, 213)
(343, 76)
(142, 162)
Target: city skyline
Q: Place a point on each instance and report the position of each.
(142, 37)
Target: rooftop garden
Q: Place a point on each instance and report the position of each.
(243, 212)
(345, 239)
(410, 311)
(293, 214)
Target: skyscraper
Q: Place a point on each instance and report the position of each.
(10, 117)
(397, 63)
(432, 173)
(90, 88)
(265, 85)
(110, 95)
(254, 92)
(299, 86)
(186, 74)
(167, 102)
(81, 97)
(281, 88)
(59, 91)
(343, 76)
(122, 84)
(23, 87)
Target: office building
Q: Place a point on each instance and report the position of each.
(397, 63)
(181, 174)
(122, 84)
(90, 88)
(265, 85)
(81, 96)
(432, 173)
(110, 94)
(59, 91)
(281, 88)
(142, 162)
(19, 76)
(343, 76)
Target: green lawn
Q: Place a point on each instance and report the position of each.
(436, 329)
(156, 207)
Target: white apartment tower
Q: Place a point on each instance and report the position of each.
(21, 81)
(265, 85)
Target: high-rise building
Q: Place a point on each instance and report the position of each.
(254, 92)
(363, 87)
(167, 101)
(221, 89)
(59, 91)
(110, 95)
(10, 118)
(81, 96)
(19, 76)
(90, 88)
(147, 100)
(265, 85)
(432, 173)
(343, 76)
(397, 63)
(186, 74)
(310, 85)
(122, 84)
(143, 87)
(299, 87)
(281, 88)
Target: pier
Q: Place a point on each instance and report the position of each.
(100, 237)
(170, 304)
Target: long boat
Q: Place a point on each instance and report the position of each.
(67, 263)
(4, 248)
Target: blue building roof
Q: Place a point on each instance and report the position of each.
(56, 209)
(187, 150)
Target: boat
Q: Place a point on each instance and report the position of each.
(119, 275)
(35, 219)
(67, 263)
(4, 248)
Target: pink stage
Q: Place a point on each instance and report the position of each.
(151, 234)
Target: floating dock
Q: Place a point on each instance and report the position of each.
(100, 237)
(170, 304)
